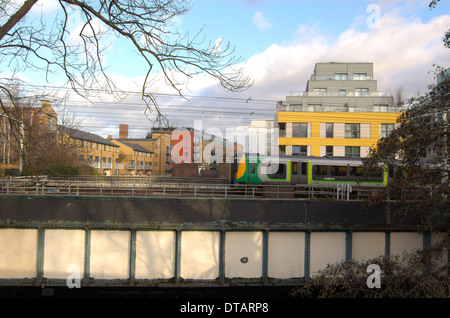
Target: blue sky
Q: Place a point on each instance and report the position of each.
(280, 41)
(253, 26)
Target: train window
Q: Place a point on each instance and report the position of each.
(303, 168)
(252, 168)
(294, 168)
(320, 170)
(340, 171)
(356, 171)
(280, 174)
(378, 173)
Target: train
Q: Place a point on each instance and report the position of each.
(297, 170)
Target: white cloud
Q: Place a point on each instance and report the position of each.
(260, 21)
(402, 50)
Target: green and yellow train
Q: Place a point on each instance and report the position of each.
(306, 171)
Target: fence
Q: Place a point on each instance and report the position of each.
(176, 187)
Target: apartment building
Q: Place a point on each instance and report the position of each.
(157, 142)
(23, 127)
(133, 159)
(341, 113)
(96, 151)
(162, 149)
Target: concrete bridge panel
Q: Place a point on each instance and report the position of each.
(243, 254)
(64, 253)
(368, 245)
(286, 256)
(110, 254)
(18, 253)
(326, 248)
(155, 254)
(200, 254)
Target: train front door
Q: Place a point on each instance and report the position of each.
(299, 172)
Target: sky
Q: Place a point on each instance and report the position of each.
(279, 42)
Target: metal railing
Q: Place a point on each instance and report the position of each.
(340, 94)
(175, 187)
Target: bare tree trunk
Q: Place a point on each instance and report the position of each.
(16, 17)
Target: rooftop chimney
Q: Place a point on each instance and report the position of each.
(123, 131)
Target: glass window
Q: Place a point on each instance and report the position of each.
(341, 76)
(352, 131)
(352, 151)
(386, 129)
(356, 171)
(329, 151)
(300, 130)
(304, 167)
(329, 130)
(282, 128)
(320, 92)
(295, 150)
(361, 91)
(320, 170)
(303, 150)
(294, 168)
(359, 76)
(338, 171)
(342, 92)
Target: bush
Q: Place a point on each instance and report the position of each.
(59, 170)
(418, 274)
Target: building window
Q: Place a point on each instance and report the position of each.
(352, 151)
(359, 76)
(381, 108)
(352, 131)
(282, 129)
(329, 130)
(341, 76)
(320, 92)
(329, 151)
(300, 130)
(282, 150)
(361, 91)
(300, 150)
(342, 92)
(386, 129)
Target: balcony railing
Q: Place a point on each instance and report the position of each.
(339, 94)
(340, 78)
(95, 164)
(106, 165)
(339, 108)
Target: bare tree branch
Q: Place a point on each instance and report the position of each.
(146, 25)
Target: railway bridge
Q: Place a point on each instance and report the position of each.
(80, 241)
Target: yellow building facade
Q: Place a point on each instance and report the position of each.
(332, 133)
(341, 113)
(133, 159)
